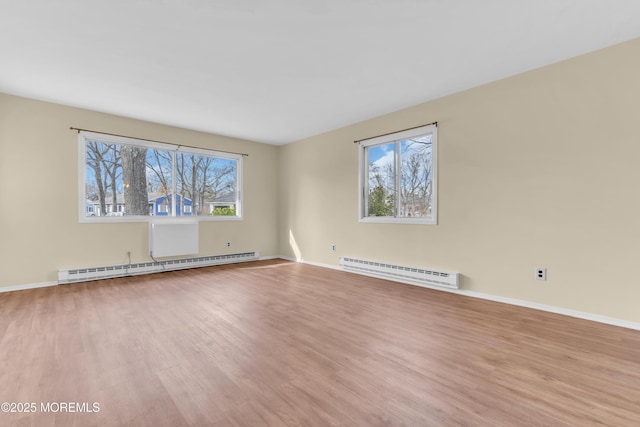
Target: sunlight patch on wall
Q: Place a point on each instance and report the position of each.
(294, 246)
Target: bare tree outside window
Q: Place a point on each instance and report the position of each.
(400, 179)
(159, 173)
(204, 180)
(134, 162)
(132, 180)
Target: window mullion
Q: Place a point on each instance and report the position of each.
(173, 183)
(396, 190)
(365, 181)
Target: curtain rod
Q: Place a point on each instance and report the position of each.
(391, 133)
(153, 140)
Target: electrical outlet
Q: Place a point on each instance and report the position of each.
(228, 244)
(333, 247)
(541, 273)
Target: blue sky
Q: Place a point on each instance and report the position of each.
(378, 152)
(383, 154)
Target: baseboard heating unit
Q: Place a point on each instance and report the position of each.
(112, 271)
(400, 273)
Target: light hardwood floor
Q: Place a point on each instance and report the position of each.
(279, 343)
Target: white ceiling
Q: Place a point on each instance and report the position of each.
(281, 70)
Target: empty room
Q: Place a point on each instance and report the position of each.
(314, 213)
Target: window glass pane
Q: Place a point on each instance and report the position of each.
(416, 167)
(134, 178)
(127, 180)
(205, 185)
(137, 180)
(100, 172)
(159, 183)
(381, 180)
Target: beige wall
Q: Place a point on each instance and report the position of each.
(541, 169)
(39, 229)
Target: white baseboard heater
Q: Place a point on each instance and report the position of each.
(400, 273)
(121, 270)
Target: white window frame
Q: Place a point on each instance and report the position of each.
(363, 176)
(83, 136)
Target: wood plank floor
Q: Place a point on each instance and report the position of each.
(283, 344)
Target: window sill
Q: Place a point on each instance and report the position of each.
(177, 219)
(394, 220)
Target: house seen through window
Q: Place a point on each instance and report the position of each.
(125, 177)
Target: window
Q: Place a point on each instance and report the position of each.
(398, 177)
(135, 179)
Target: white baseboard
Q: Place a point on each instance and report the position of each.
(553, 309)
(47, 284)
(317, 264)
(27, 286)
(536, 306)
(264, 258)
